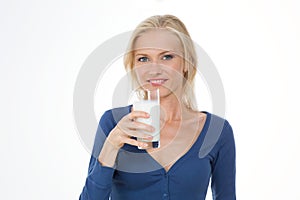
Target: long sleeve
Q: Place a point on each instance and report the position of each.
(99, 180)
(98, 183)
(223, 166)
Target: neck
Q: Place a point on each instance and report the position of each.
(172, 109)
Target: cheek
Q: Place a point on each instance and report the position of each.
(178, 66)
(140, 74)
(176, 70)
(139, 71)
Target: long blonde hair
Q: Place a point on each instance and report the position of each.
(174, 25)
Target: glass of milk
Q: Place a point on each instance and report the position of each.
(149, 102)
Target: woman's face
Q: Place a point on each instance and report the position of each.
(158, 61)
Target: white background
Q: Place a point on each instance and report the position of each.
(255, 45)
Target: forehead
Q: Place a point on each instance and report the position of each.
(159, 39)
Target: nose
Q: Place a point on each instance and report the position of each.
(155, 69)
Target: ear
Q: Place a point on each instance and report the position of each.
(185, 69)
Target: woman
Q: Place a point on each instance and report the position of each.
(161, 55)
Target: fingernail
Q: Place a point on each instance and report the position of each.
(149, 137)
(145, 144)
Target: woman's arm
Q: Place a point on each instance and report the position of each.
(223, 168)
(114, 130)
(99, 179)
(98, 182)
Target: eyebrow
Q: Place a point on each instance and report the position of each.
(161, 53)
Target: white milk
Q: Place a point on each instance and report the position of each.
(151, 107)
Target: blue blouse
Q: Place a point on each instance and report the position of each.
(136, 175)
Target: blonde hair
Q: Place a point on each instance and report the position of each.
(174, 25)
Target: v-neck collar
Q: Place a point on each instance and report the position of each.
(132, 159)
(195, 146)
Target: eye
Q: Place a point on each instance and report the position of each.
(168, 57)
(143, 59)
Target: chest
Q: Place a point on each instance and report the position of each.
(190, 175)
(176, 140)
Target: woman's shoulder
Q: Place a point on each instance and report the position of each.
(218, 132)
(216, 121)
(115, 114)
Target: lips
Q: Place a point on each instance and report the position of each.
(157, 82)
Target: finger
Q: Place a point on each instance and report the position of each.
(138, 114)
(133, 132)
(135, 142)
(139, 134)
(135, 125)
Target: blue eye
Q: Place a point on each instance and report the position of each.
(143, 59)
(167, 57)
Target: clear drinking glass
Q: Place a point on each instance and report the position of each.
(148, 101)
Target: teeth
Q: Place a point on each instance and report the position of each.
(157, 81)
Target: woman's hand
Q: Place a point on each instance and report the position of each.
(122, 134)
(127, 128)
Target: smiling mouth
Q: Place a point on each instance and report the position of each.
(157, 82)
